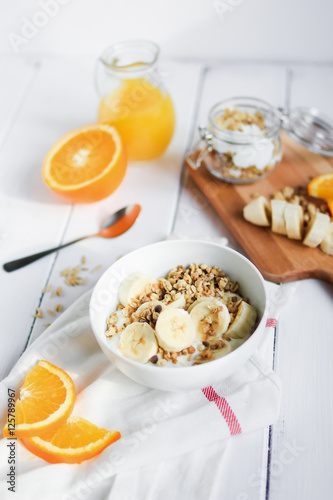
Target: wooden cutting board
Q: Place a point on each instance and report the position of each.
(278, 258)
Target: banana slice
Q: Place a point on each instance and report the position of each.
(196, 302)
(121, 319)
(216, 354)
(227, 299)
(219, 353)
(149, 306)
(327, 243)
(242, 326)
(138, 342)
(317, 229)
(278, 220)
(178, 303)
(257, 211)
(174, 330)
(234, 343)
(228, 295)
(133, 286)
(210, 317)
(293, 216)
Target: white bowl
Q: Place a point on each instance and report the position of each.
(157, 260)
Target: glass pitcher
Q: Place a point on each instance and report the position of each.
(134, 99)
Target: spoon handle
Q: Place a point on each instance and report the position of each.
(24, 261)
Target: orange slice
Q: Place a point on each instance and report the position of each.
(87, 164)
(322, 186)
(75, 441)
(330, 206)
(46, 400)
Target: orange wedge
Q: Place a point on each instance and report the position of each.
(330, 206)
(87, 164)
(322, 186)
(75, 441)
(46, 400)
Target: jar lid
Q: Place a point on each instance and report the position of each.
(309, 127)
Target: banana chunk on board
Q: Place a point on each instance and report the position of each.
(317, 230)
(327, 243)
(278, 220)
(293, 215)
(258, 212)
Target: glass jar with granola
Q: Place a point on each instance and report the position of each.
(241, 142)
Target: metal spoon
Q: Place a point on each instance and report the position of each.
(114, 225)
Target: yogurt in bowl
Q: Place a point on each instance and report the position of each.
(190, 316)
(178, 371)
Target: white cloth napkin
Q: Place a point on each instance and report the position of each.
(164, 435)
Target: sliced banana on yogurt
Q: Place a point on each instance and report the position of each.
(195, 303)
(133, 286)
(178, 303)
(138, 342)
(152, 305)
(242, 326)
(175, 330)
(210, 317)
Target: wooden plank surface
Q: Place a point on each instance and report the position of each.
(301, 451)
(32, 218)
(254, 467)
(155, 185)
(242, 472)
(279, 258)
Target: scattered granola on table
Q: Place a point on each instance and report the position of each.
(71, 278)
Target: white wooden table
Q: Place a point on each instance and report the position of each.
(42, 99)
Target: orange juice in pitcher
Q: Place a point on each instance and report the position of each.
(134, 99)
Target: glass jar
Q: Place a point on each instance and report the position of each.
(134, 99)
(241, 142)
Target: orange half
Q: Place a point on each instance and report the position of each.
(46, 400)
(87, 164)
(322, 186)
(75, 441)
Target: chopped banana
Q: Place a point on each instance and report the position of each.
(257, 211)
(317, 229)
(293, 215)
(327, 243)
(278, 220)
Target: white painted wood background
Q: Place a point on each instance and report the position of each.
(43, 98)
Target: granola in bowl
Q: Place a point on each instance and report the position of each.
(192, 315)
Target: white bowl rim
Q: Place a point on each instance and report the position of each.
(152, 369)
